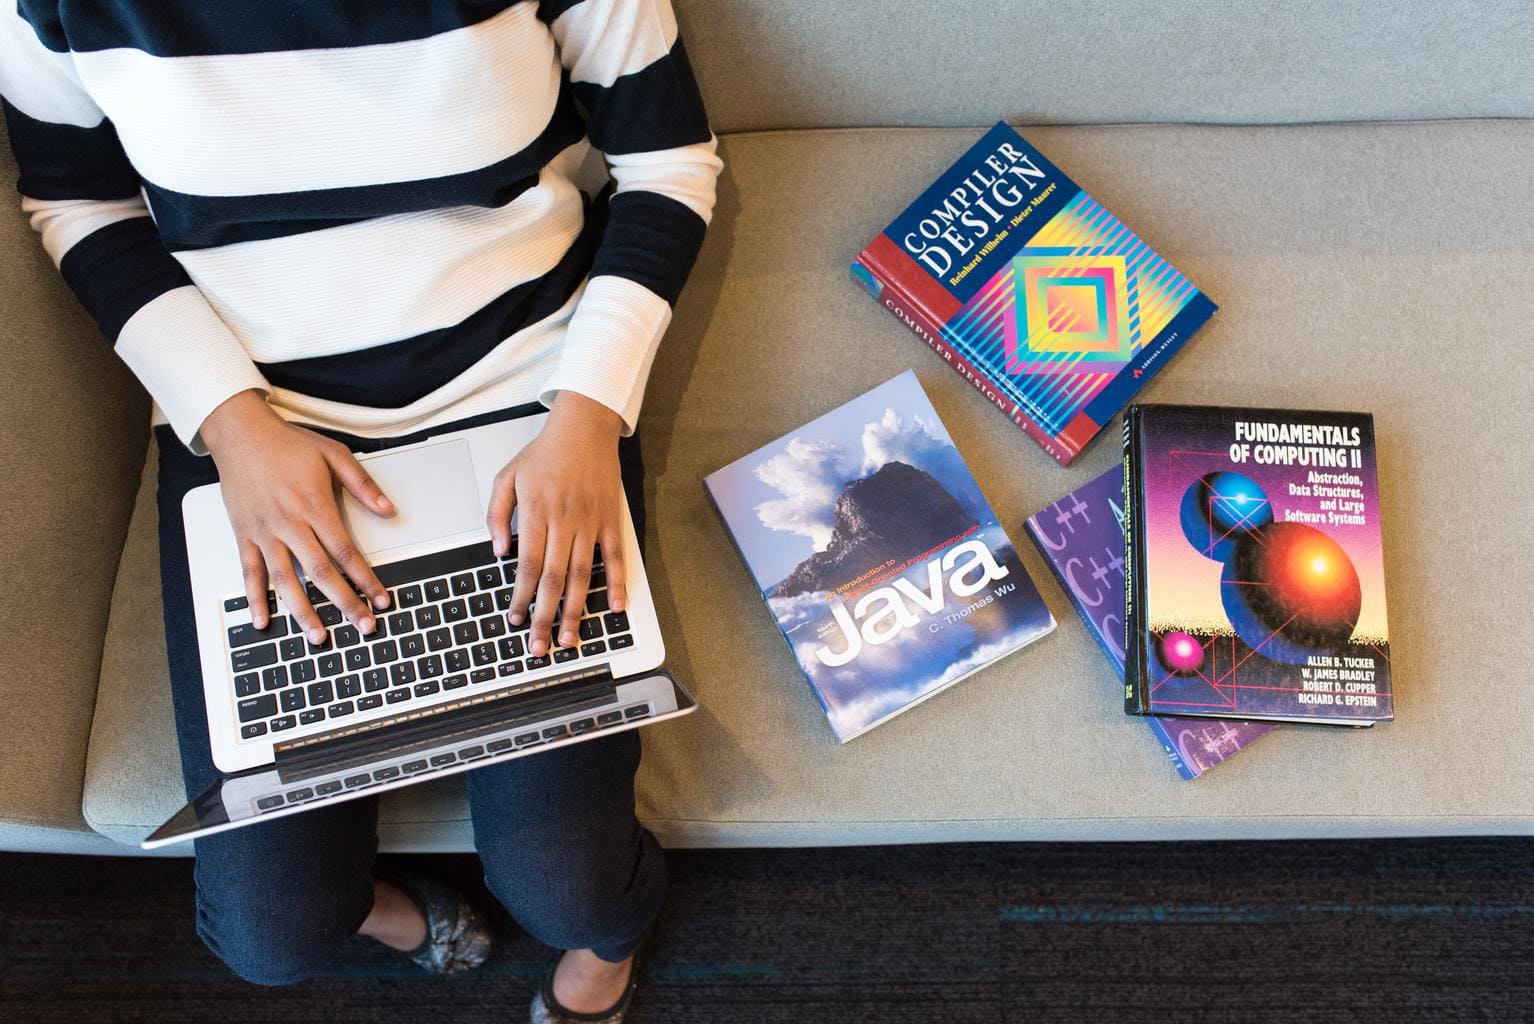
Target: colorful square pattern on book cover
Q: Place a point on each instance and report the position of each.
(1029, 287)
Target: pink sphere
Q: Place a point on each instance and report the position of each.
(1181, 652)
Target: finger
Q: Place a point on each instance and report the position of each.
(503, 499)
(344, 552)
(530, 541)
(551, 586)
(327, 576)
(253, 569)
(349, 472)
(284, 579)
(577, 582)
(617, 577)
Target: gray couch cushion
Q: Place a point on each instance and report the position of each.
(1367, 266)
(809, 63)
(73, 423)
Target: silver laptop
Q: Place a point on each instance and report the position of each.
(446, 684)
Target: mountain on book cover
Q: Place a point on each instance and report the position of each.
(1036, 294)
(878, 556)
(1082, 538)
(1258, 589)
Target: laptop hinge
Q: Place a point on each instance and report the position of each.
(535, 699)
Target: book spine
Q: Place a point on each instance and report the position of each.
(1134, 655)
(904, 306)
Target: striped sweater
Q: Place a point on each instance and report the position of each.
(382, 215)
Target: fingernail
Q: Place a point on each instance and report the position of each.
(567, 638)
(515, 618)
(369, 624)
(537, 647)
(381, 601)
(618, 604)
(384, 503)
(317, 636)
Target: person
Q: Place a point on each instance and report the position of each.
(311, 229)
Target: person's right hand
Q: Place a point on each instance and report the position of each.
(278, 482)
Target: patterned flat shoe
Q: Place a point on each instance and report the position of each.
(547, 1010)
(458, 938)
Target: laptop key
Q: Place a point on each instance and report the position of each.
(327, 788)
(436, 590)
(357, 660)
(430, 666)
(346, 707)
(396, 695)
(292, 647)
(412, 646)
(581, 725)
(438, 760)
(274, 678)
(329, 614)
(596, 601)
(385, 652)
(503, 599)
(291, 699)
(482, 675)
(321, 692)
(565, 654)
(496, 746)
(536, 663)
(385, 774)
(409, 597)
(267, 803)
(484, 654)
(303, 672)
(235, 604)
(251, 731)
(402, 673)
(439, 639)
(330, 664)
(592, 649)
(618, 643)
(465, 633)
(311, 716)
(247, 658)
(371, 701)
(300, 794)
(349, 685)
(609, 718)
(247, 634)
(591, 627)
(247, 685)
(347, 636)
(428, 617)
(555, 731)
(400, 622)
(616, 622)
(353, 781)
(375, 679)
(453, 682)
(457, 660)
(455, 611)
(285, 722)
(462, 584)
(489, 577)
(411, 767)
(527, 738)
(492, 626)
(509, 668)
(425, 689)
(481, 604)
(511, 647)
(637, 711)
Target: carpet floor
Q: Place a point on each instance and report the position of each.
(1388, 931)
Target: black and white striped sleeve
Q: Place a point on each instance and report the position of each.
(630, 72)
(83, 197)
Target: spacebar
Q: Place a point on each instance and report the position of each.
(438, 563)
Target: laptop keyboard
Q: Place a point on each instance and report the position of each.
(445, 630)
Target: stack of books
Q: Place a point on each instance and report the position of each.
(1230, 570)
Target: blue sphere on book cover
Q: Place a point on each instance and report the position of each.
(878, 556)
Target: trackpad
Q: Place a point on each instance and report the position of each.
(433, 491)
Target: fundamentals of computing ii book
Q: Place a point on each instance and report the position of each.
(1023, 283)
(878, 556)
(1256, 570)
(1082, 538)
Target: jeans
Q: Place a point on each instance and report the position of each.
(556, 831)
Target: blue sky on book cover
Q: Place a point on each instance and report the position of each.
(878, 555)
(1082, 538)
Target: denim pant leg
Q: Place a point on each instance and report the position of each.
(276, 900)
(556, 831)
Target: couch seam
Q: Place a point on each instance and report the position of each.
(872, 128)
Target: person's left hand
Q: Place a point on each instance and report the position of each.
(566, 488)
